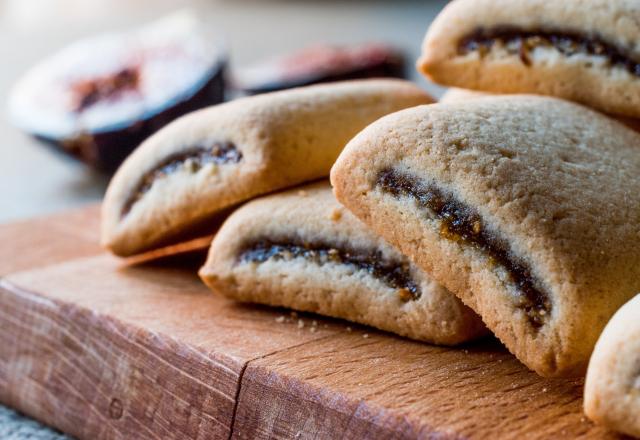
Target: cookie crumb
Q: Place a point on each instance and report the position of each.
(366, 335)
(300, 323)
(313, 329)
(303, 193)
(314, 323)
(336, 214)
(349, 329)
(280, 319)
(544, 390)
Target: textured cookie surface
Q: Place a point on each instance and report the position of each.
(585, 51)
(301, 249)
(612, 388)
(527, 208)
(194, 168)
(454, 94)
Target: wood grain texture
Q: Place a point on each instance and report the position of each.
(106, 348)
(170, 300)
(93, 377)
(348, 386)
(46, 240)
(115, 351)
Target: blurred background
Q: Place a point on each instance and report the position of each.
(35, 179)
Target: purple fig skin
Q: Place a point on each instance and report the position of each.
(106, 150)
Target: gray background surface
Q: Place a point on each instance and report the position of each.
(35, 180)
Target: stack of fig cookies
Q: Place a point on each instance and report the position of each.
(516, 214)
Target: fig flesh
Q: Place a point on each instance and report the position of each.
(100, 97)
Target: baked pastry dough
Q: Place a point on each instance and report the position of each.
(188, 173)
(585, 51)
(526, 207)
(612, 389)
(301, 249)
(462, 95)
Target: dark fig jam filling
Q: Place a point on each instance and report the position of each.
(193, 159)
(91, 91)
(521, 42)
(463, 224)
(395, 274)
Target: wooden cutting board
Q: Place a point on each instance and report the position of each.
(102, 348)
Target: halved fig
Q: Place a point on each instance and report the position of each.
(100, 97)
(319, 64)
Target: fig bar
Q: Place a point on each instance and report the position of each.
(393, 274)
(612, 387)
(301, 249)
(462, 223)
(186, 175)
(320, 64)
(585, 51)
(100, 97)
(454, 94)
(527, 208)
(219, 153)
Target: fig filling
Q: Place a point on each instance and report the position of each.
(91, 91)
(461, 223)
(192, 160)
(395, 274)
(521, 42)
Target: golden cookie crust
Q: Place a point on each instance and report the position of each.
(612, 388)
(275, 140)
(454, 94)
(311, 215)
(555, 184)
(578, 76)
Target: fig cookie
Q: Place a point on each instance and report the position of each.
(186, 174)
(585, 51)
(454, 94)
(612, 388)
(301, 249)
(525, 207)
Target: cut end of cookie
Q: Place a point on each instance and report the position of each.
(210, 160)
(286, 251)
(475, 195)
(547, 48)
